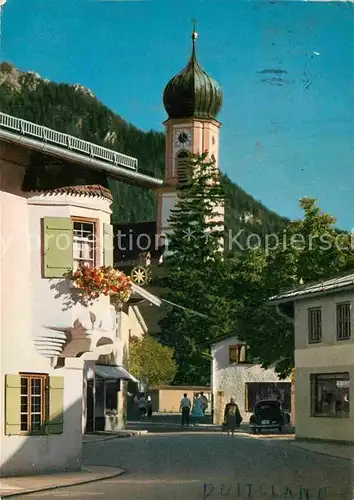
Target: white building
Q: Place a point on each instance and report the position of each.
(324, 354)
(233, 375)
(54, 213)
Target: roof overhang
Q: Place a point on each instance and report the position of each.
(115, 171)
(283, 298)
(114, 372)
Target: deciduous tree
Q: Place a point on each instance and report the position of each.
(309, 249)
(151, 361)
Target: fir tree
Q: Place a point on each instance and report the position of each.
(195, 271)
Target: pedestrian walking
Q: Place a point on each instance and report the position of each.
(185, 408)
(197, 411)
(205, 402)
(232, 417)
(142, 406)
(136, 406)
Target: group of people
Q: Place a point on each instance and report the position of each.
(232, 415)
(197, 410)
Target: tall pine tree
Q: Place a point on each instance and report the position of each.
(195, 270)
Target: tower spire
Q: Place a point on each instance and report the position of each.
(194, 33)
(194, 37)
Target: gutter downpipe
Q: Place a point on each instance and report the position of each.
(115, 170)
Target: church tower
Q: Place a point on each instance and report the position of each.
(192, 101)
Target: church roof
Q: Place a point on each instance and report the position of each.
(192, 93)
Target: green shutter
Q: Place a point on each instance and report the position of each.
(107, 245)
(13, 404)
(55, 422)
(57, 246)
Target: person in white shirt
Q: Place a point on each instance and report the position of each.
(185, 408)
(142, 406)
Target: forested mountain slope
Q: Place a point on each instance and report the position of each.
(75, 110)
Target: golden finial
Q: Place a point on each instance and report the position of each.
(194, 34)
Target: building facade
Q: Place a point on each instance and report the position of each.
(54, 214)
(192, 100)
(234, 375)
(324, 353)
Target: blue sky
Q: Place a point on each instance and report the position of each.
(281, 139)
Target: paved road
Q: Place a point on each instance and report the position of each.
(197, 466)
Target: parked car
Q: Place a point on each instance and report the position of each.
(268, 414)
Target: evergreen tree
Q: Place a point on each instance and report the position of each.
(195, 270)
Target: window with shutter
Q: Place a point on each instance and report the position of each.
(108, 240)
(26, 403)
(238, 353)
(12, 404)
(84, 242)
(57, 246)
(55, 423)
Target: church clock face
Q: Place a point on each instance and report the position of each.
(183, 138)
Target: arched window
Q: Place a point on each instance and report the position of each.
(183, 169)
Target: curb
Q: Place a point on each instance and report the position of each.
(297, 445)
(116, 436)
(119, 472)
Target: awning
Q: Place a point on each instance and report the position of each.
(114, 372)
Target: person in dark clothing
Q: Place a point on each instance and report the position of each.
(185, 407)
(232, 417)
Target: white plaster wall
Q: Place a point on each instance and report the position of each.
(231, 378)
(331, 356)
(27, 304)
(51, 304)
(129, 327)
(329, 325)
(20, 454)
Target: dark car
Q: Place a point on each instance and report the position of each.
(268, 414)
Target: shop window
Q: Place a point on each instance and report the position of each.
(258, 391)
(330, 395)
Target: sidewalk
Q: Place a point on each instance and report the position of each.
(14, 486)
(343, 451)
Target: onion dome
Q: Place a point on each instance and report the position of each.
(192, 93)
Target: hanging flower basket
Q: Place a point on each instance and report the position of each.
(105, 280)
